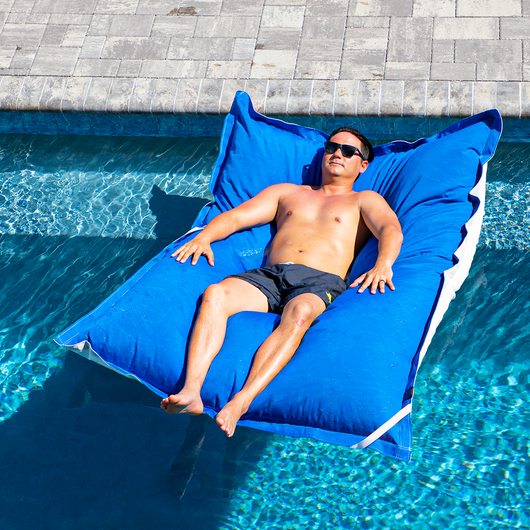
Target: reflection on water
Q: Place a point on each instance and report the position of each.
(91, 449)
(94, 186)
(132, 190)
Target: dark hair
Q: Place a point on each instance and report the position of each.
(367, 150)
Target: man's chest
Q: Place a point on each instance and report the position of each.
(311, 208)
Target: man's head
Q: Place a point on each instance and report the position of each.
(367, 150)
(347, 153)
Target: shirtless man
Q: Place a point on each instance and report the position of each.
(320, 231)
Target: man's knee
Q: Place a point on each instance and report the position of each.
(216, 293)
(302, 310)
(223, 296)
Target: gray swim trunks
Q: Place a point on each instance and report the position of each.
(280, 283)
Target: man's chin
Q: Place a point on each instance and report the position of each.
(335, 169)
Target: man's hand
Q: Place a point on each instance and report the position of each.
(377, 278)
(197, 247)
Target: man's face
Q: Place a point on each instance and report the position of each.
(336, 164)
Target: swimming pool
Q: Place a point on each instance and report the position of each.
(82, 447)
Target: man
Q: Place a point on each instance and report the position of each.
(320, 231)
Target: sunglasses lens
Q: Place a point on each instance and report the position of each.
(347, 150)
(330, 147)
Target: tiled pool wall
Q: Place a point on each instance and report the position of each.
(201, 125)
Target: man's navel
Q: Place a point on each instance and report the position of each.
(338, 219)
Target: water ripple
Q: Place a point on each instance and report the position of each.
(99, 193)
(506, 220)
(471, 449)
(52, 190)
(107, 202)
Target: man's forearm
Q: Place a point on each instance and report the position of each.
(390, 240)
(219, 227)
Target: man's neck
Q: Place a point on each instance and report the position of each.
(336, 186)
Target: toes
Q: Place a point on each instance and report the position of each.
(224, 427)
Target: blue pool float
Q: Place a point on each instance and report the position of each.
(351, 382)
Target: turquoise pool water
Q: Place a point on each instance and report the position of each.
(81, 447)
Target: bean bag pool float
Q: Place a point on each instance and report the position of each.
(351, 381)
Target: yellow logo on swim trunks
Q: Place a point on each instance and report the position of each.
(329, 296)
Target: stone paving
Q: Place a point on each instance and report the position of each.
(423, 58)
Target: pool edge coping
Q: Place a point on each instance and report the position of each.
(315, 98)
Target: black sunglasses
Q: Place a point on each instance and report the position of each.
(347, 150)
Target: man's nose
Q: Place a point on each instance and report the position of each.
(337, 150)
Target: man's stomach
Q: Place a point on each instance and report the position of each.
(321, 260)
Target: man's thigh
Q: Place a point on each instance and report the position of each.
(240, 295)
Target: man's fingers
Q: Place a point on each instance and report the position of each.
(358, 281)
(177, 252)
(182, 253)
(365, 284)
(375, 280)
(193, 251)
(364, 280)
(196, 255)
(372, 283)
(178, 255)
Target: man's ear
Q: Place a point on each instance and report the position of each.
(364, 166)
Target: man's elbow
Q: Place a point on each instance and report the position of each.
(393, 230)
(398, 236)
(398, 233)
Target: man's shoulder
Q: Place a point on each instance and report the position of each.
(369, 195)
(286, 186)
(371, 201)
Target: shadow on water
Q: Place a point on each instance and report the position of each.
(174, 214)
(93, 449)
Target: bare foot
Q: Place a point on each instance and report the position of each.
(229, 416)
(183, 403)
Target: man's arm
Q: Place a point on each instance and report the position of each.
(384, 224)
(259, 210)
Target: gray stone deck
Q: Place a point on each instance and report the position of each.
(423, 58)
